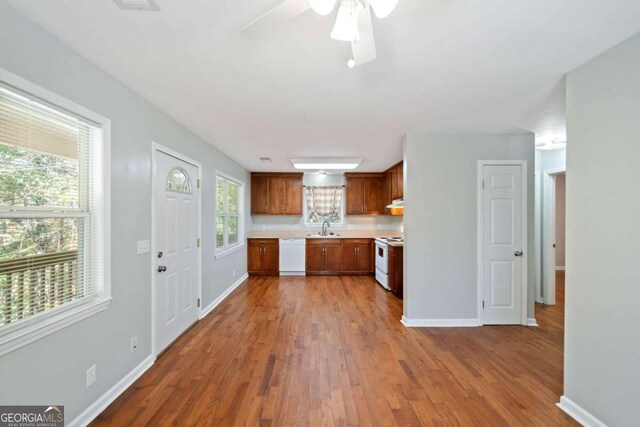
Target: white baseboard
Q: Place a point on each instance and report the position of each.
(106, 399)
(293, 273)
(578, 413)
(531, 321)
(208, 309)
(560, 268)
(439, 323)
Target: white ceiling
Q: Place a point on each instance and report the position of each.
(443, 66)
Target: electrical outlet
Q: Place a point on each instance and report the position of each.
(91, 375)
(144, 246)
(134, 344)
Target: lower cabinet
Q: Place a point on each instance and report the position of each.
(396, 255)
(263, 257)
(339, 256)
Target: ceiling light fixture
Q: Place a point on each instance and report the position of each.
(322, 7)
(383, 8)
(346, 26)
(326, 163)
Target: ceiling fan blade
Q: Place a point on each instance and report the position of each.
(275, 18)
(364, 50)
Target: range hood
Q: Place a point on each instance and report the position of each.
(396, 204)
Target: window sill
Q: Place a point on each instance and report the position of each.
(30, 333)
(224, 252)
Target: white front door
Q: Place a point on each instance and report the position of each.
(503, 230)
(177, 267)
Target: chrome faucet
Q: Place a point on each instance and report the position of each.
(324, 230)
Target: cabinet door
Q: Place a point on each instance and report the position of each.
(277, 189)
(293, 202)
(374, 196)
(254, 256)
(350, 258)
(391, 273)
(259, 195)
(354, 195)
(399, 181)
(333, 259)
(365, 259)
(270, 258)
(394, 183)
(315, 258)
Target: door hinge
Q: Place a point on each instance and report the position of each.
(198, 302)
(198, 243)
(483, 305)
(198, 183)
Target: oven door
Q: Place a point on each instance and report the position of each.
(382, 261)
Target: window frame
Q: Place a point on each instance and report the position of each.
(43, 324)
(226, 249)
(305, 211)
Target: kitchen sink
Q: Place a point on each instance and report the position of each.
(320, 236)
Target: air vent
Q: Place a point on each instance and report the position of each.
(137, 4)
(265, 159)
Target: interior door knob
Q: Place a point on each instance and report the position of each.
(162, 268)
(518, 253)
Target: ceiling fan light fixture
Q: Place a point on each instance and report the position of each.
(346, 27)
(322, 7)
(383, 8)
(325, 164)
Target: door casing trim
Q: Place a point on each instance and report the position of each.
(155, 148)
(525, 235)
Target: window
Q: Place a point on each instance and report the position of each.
(229, 208)
(52, 216)
(179, 182)
(323, 203)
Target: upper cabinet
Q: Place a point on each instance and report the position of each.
(276, 193)
(394, 177)
(365, 193)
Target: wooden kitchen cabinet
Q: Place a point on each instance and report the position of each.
(365, 193)
(357, 256)
(263, 258)
(395, 274)
(276, 193)
(324, 256)
(394, 189)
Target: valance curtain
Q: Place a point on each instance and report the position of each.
(324, 203)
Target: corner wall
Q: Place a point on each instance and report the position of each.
(52, 370)
(602, 337)
(441, 216)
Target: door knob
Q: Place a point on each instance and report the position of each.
(518, 253)
(162, 269)
(160, 254)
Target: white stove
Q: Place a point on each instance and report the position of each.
(382, 259)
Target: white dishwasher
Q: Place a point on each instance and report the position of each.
(292, 257)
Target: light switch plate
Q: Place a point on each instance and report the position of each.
(144, 246)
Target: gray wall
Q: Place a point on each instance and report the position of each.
(602, 337)
(53, 369)
(369, 222)
(560, 219)
(441, 220)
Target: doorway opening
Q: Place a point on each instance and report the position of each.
(553, 233)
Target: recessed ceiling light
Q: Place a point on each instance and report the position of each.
(326, 163)
(265, 159)
(137, 4)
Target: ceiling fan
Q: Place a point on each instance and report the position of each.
(353, 22)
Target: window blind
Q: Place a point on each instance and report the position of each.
(51, 210)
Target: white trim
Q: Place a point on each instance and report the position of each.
(67, 316)
(41, 329)
(208, 309)
(227, 251)
(525, 235)
(531, 321)
(549, 234)
(578, 413)
(560, 268)
(155, 147)
(439, 323)
(112, 394)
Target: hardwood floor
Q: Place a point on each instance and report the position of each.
(332, 351)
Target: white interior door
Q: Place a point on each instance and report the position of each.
(176, 233)
(502, 244)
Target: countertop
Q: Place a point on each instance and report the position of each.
(303, 234)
